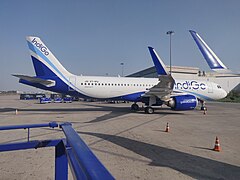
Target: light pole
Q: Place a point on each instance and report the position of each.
(170, 34)
(122, 64)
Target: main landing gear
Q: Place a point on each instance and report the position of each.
(135, 107)
(149, 110)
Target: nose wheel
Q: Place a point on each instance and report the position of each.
(203, 105)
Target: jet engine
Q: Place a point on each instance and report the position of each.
(183, 102)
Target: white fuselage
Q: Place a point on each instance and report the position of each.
(110, 87)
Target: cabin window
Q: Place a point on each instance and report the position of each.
(81, 83)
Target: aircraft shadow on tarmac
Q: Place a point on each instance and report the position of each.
(194, 166)
(113, 111)
(120, 111)
(7, 109)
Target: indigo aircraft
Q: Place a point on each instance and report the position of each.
(153, 92)
(224, 76)
(213, 61)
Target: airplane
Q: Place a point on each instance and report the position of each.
(212, 59)
(177, 94)
(224, 76)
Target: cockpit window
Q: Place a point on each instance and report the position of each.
(218, 86)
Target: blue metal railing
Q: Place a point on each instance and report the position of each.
(28, 126)
(82, 158)
(83, 163)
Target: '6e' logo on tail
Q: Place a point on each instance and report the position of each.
(40, 46)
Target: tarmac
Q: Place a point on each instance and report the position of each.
(131, 145)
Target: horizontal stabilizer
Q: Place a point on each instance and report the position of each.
(47, 83)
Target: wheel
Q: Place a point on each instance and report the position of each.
(149, 110)
(134, 107)
(203, 107)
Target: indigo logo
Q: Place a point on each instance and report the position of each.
(40, 46)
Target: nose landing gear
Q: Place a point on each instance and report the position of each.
(203, 105)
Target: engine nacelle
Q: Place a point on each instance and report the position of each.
(184, 102)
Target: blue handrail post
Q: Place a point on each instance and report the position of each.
(61, 162)
(84, 164)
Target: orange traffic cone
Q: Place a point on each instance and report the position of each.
(167, 128)
(217, 145)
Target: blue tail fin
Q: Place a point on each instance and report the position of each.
(213, 61)
(44, 62)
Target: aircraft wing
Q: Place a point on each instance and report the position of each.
(47, 83)
(164, 88)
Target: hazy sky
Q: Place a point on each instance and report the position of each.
(94, 37)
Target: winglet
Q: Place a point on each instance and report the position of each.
(213, 61)
(159, 65)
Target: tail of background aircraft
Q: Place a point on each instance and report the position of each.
(44, 62)
(213, 61)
